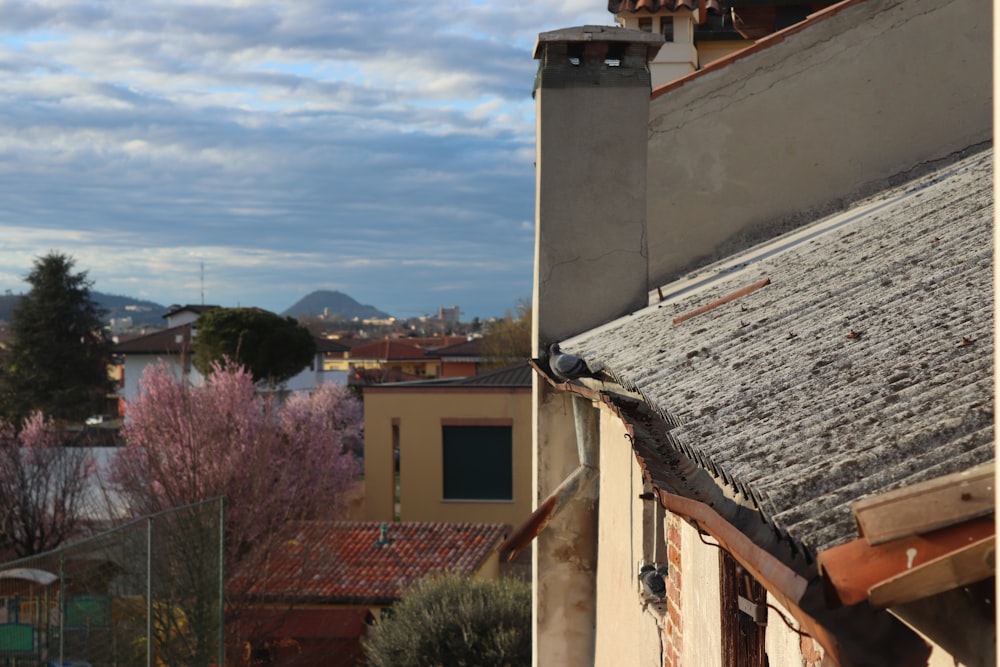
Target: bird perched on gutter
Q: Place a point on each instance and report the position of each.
(568, 367)
(653, 580)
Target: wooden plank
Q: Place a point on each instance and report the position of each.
(969, 564)
(851, 570)
(926, 506)
(726, 299)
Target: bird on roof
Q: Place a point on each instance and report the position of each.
(568, 367)
(653, 580)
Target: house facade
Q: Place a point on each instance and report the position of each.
(455, 450)
(173, 347)
(697, 33)
(783, 269)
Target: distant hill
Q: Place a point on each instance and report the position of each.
(331, 302)
(142, 312)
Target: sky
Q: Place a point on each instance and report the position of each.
(249, 152)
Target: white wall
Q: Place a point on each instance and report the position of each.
(626, 633)
(831, 112)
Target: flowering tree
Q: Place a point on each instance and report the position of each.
(272, 462)
(43, 486)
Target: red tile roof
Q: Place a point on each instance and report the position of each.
(388, 350)
(652, 6)
(345, 562)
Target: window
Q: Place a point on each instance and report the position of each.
(478, 462)
(667, 28)
(646, 24)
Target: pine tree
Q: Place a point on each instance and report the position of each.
(58, 360)
(271, 347)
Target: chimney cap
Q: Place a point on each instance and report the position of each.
(600, 33)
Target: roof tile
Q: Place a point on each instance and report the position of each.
(347, 562)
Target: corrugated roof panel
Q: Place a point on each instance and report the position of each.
(865, 364)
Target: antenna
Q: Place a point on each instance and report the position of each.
(203, 283)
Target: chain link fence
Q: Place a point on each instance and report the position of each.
(147, 593)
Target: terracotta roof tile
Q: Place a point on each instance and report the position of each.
(653, 6)
(388, 350)
(338, 562)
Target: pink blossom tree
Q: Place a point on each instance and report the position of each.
(272, 461)
(43, 486)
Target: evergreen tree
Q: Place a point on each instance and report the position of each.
(271, 347)
(58, 360)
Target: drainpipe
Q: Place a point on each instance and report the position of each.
(579, 485)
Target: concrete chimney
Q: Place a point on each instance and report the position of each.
(592, 118)
(591, 266)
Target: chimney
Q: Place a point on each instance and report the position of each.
(592, 111)
(592, 100)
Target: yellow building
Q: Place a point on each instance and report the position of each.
(461, 448)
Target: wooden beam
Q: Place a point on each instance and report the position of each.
(926, 506)
(967, 565)
(853, 569)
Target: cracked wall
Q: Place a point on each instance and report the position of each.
(817, 119)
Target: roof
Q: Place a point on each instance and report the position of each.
(345, 562)
(388, 350)
(653, 6)
(197, 309)
(330, 345)
(516, 376)
(158, 342)
(467, 348)
(863, 364)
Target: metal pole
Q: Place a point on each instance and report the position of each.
(222, 582)
(62, 604)
(149, 592)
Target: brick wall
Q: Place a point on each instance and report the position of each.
(672, 629)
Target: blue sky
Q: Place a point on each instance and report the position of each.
(383, 149)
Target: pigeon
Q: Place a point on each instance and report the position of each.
(569, 367)
(653, 580)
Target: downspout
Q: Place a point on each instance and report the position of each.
(578, 484)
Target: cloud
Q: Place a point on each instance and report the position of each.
(383, 148)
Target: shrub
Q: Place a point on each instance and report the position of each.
(453, 621)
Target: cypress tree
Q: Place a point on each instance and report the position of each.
(58, 358)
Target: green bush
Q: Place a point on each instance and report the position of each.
(451, 621)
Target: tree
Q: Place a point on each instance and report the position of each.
(58, 359)
(271, 347)
(451, 620)
(508, 339)
(272, 462)
(43, 487)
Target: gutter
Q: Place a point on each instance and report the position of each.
(854, 635)
(579, 483)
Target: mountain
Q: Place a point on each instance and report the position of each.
(331, 302)
(141, 312)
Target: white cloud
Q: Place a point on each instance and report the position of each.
(286, 146)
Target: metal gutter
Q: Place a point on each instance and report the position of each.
(855, 635)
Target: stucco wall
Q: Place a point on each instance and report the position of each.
(700, 596)
(420, 414)
(810, 118)
(626, 633)
(136, 364)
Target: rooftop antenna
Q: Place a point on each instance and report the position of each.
(203, 283)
